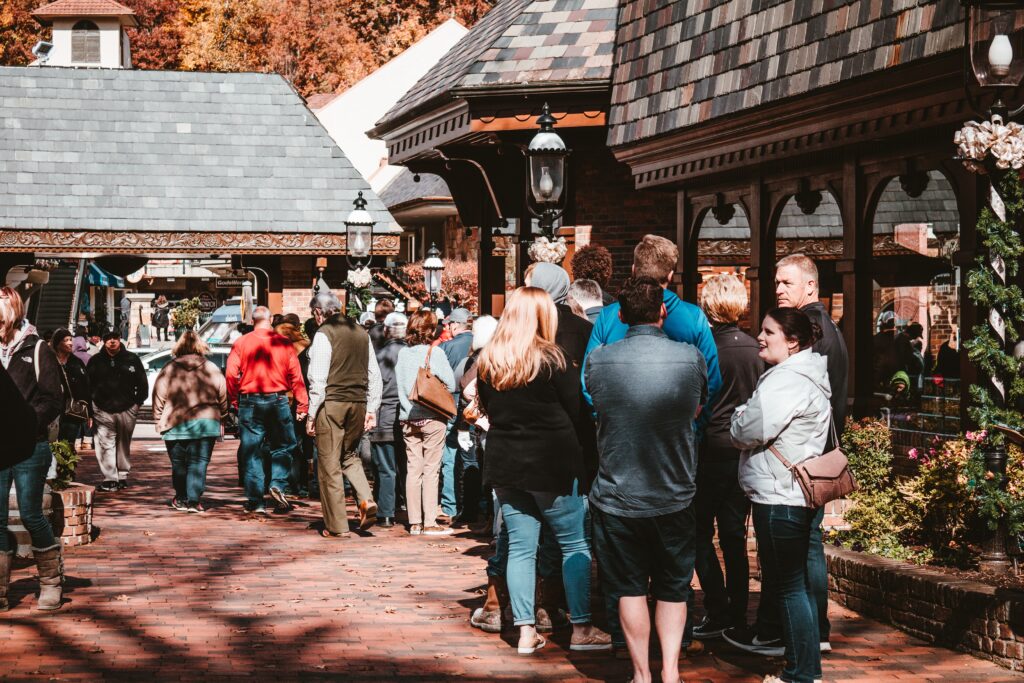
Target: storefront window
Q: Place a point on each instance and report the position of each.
(725, 248)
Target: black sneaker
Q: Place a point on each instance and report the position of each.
(177, 505)
(196, 508)
(747, 639)
(123, 484)
(254, 508)
(108, 486)
(282, 502)
(709, 628)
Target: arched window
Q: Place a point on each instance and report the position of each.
(85, 43)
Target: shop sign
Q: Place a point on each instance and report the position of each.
(232, 282)
(207, 302)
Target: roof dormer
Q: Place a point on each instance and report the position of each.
(87, 33)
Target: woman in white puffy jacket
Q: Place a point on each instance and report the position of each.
(790, 411)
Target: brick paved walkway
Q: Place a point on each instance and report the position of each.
(164, 595)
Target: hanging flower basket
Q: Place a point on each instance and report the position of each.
(548, 251)
(989, 145)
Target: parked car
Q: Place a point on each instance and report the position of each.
(155, 362)
(224, 321)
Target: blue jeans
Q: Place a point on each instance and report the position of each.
(189, 460)
(548, 561)
(451, 453)
(28, 477)
(387, 476)
(265, 417)
(524, 513)
(783, 542)
(769, 625)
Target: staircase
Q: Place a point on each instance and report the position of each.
(58, 298)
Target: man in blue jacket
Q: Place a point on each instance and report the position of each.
(656, 257)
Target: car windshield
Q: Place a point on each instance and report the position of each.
(217, 333)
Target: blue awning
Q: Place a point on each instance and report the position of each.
(100, 277)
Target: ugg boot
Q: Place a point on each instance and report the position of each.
(488, 617)
(50, 563)
(5, 578)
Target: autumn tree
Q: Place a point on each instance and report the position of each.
(156, 43)
(18, 31)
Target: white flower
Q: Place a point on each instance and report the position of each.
(545, 250)
(359, 277)
(975, 141)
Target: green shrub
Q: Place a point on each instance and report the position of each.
(67, 462)
(868, 446)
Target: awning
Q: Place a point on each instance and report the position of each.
(100, 277)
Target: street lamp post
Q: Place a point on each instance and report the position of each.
(433, 267)
(547, 154)
(994, 48)
(359, 234)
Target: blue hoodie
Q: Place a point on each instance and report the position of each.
(685, 323)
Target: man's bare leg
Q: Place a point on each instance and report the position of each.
(636, 625)
(670, 622)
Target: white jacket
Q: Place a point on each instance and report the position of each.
(790, 410)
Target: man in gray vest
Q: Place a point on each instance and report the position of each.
(344, 394)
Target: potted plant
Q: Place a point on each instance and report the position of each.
(72, 502)
(185, 316)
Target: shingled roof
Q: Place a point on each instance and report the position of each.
(127, 150)
(405, 188)
(84, 8)
(517, 42)
(683, 62)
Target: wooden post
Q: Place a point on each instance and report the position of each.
(855, 270)
(687, 275)
(761, 272)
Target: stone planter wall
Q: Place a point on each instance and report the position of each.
(934, 606)
(72, 514)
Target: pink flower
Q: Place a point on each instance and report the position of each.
(977, 437)
(913, 453)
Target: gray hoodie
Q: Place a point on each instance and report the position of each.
(790, 409)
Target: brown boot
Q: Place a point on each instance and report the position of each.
(551, 608)
(488, 617)
(5, 578)
(51, 577)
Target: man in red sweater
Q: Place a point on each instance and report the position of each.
(262, 368)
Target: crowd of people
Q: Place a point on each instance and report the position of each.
(576, 427)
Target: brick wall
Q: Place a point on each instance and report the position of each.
(940, 608)
(72, 514)
(619, 215)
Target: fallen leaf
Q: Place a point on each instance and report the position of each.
(123, 598)
(149, 533)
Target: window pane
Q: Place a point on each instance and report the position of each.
(85, 43)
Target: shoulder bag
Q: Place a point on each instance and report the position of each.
(75, 408)
(431, 393)
(824, 478)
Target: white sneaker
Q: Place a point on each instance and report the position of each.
(437, 531)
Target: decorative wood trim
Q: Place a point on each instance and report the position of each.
(138, 242)
(725, 252)
(423, 135)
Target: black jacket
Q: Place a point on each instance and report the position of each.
(77, 384)
(572, 336)
(45, 395)
(387, 415)
(833, 347)
(118, 382)
(17, 423)
(532, 443)
(741, 368)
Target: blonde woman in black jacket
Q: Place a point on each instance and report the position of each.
(32, 366)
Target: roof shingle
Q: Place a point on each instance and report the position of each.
(82, 8)
(128, 150)
(683, 62)
(520, 41)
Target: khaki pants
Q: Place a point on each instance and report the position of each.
(423, 448)
(339, 426)
(114, 442)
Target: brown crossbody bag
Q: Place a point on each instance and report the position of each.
(431, 393)
(824, 478)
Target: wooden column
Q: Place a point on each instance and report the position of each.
(687, 275)
(761, 273)
(856, 273)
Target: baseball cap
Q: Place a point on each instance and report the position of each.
(459, 315)
(110, 334)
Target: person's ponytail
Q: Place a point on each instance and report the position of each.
(796, 326)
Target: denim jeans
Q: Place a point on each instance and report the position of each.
(189, 460)
(783, 541)
(470, 475)
(265, 417)
(720, 498)
(450, 455)
(28, 477)
(524, 513)
(769, 625)
(386, 478)
(549, 555)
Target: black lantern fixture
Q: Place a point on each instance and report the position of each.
(547, 156)
(359, 234)
(994, 52)
(433, 267)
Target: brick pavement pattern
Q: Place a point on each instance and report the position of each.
(164, 595)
